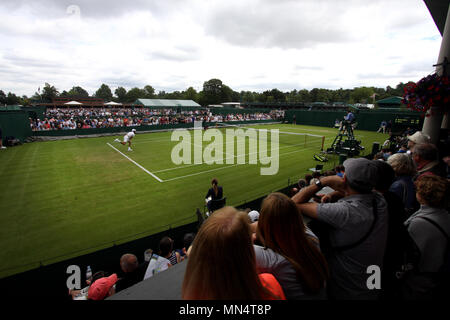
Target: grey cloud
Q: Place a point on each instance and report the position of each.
(298, 25)
(174, 55)
(22, 61)
(89, 8)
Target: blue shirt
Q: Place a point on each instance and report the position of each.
(350, 117)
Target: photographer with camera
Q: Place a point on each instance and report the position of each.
(355, 223)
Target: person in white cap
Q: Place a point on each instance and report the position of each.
(417, 138)
(253, 215)
(127, 139)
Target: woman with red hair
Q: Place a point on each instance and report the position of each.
(290, 250)
(222, 265)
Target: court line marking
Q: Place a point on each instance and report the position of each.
(137, 164)
(247, 154)
(234, 165)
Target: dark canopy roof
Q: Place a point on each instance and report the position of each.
(438, 10)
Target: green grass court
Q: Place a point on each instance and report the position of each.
(61, 199)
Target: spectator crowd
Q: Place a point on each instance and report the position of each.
(380, 232)
(86, 118)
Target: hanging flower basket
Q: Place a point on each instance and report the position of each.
(431, 91)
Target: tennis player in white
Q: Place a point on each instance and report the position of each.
(127, 138)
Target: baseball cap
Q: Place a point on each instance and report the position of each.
(361, 173)
(253, 215)
(99, 289)
(134, 130)
(419, 137)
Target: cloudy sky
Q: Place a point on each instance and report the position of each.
(249, 44)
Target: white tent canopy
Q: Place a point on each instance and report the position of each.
(112, 103)
(73, 103)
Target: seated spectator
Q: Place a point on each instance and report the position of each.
(214, 193)
(339, 171)
(379, 156)
(300, 185)
(429, 227)
(308, 178)
(102, 288)
(83, 293)
(132, 272)
(403, 149)
(187, 241)
(426, 158)
(403, 185)
(166, 250)
(386, 153)
(316, 175)
(358, 227)
(147, 255)
(222, 265)
(253, 215)
(290, 250)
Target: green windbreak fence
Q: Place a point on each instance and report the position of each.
(15, 124)
(367, 120)
(35, 112)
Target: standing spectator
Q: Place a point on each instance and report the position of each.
(358, 222)
(426, 158)
(290, 250)
(403, 185)
(397, 233)
(222, 265)
(429, 227)
(416, 139)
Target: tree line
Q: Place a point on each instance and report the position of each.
(214, 92)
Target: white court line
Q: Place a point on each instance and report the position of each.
(201, 172)
(137, 164)
(235, 156)
(238, 164)
(247, 154)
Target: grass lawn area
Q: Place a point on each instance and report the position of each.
(61, 199)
